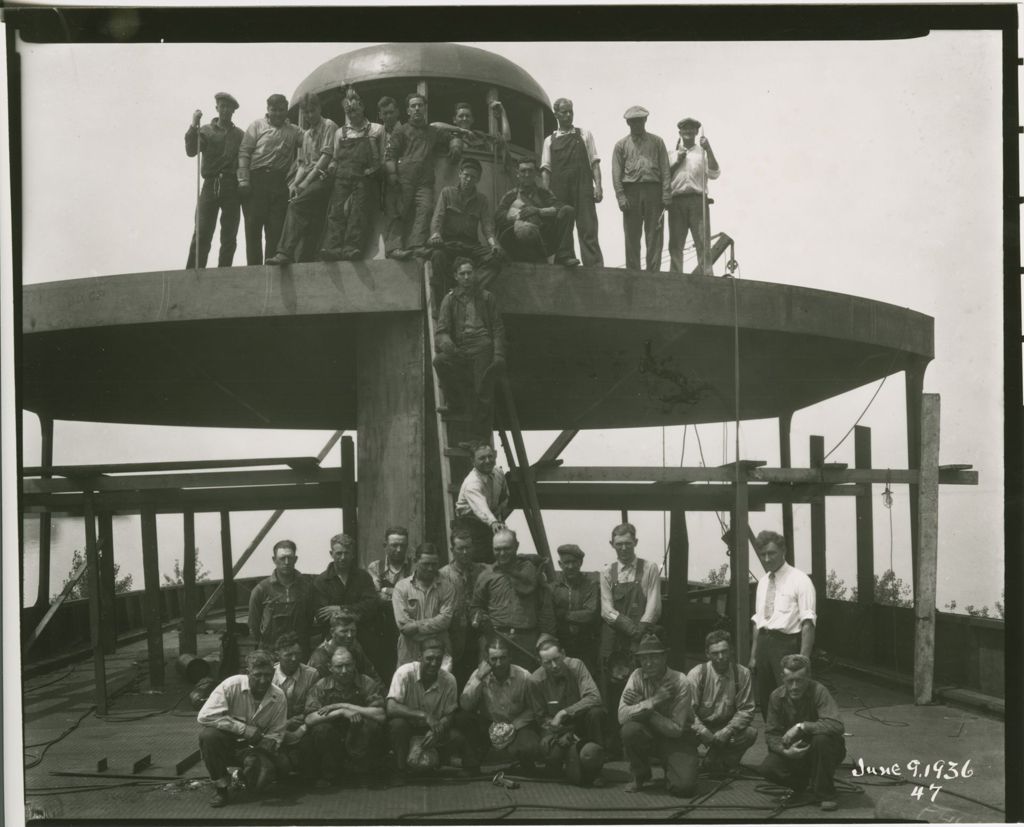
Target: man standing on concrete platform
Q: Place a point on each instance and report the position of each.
(395, 565)
(345, 716)
(387, 196)
(533, 224)
(266, 155)
(692, 166)
(512, 601)
(466, 136)
(571, 169)
(577, 599)
(497, 707)
(344, 633)
(470, 343)
(630, 606)
(784, 616)
(344, 584)
(283, 602)
(483, 503)
(804, 734)
(462, 574)
(569, 710)
(656, 714)
(423, 605)
(219, 142)
(642, 182)
(309, 187)
(245, 713)
(423, 701)
(462, 215)
(723, 705)
(410, 168)
(354, 163)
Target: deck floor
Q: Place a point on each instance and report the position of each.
(883, 727)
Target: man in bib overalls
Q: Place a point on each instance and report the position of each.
(571, 169)
(630, 606)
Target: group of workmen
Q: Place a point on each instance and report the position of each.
(406, 665)
(318, 192)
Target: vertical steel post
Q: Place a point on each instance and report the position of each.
(818, 562)
(108, 598)
(914, 384)
(741, 569)
(92, 561)
(348, 482)
(786, 461)
(678, 573)
(189, 603)
(151, 576)
(45, 519)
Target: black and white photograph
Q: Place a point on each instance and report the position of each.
(574, 414)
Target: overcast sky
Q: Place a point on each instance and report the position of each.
(869, 168)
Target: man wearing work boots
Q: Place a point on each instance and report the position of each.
(570, 713)
(656, 714)
(265, 156)
(804, 734)
(345, 718)
(219, 141)
(723, 705)
(462, 215)
(309, 188)
(571, 169)
(470, 343)
(423, 703)
(244, 714)
(533, 224)
(692, 166)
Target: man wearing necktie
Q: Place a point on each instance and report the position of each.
(784, 616)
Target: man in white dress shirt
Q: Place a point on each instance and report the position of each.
(784, 616)
(483, 503)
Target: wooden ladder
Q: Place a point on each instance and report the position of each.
(455, 462)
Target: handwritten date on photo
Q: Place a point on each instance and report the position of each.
(938, 770)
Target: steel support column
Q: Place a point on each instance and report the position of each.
(741, 570)
(818, 561)
(786, 461)
(108, 592)
(151, 576)
(914, 384)
(678, 572)
(45, 519)
(189, 602)
(92, 560)
(348, 477)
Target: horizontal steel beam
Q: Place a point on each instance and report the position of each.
(213, 479)
(76, 471)
(175, 501)
(828, 476)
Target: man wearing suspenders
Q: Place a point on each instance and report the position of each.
(630, 606)
(571, 169)
(723, 705)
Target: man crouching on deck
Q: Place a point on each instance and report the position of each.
(243, 725)
(804, 734)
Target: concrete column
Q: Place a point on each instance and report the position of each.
(391, 412)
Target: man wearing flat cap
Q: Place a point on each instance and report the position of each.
(693, 165)
(219, 141)
(577, 598)
(656, 715)
(642, 182)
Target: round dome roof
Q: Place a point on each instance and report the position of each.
(421, 60)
